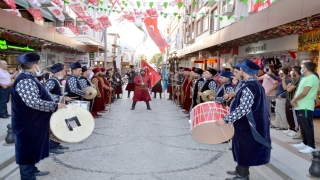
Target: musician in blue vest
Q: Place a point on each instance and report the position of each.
(32, 107)
(225, 87)
(208, 83)
(53, 86)
(85, 82)
(73, 87)
(251, 143)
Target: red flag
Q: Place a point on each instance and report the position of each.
(293, 54)
(128, 17)
(154, 33)
(74, 29)
(77, 9)
(154, 76)
(152, 12)
(97, 27)
(104, 20)
(36, 13)
(11, 3)
(89, 21)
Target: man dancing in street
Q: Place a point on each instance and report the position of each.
(131, 75)
(141, 90)
(251, 143)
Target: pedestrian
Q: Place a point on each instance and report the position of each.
(142, 82)
(32, 107)
(303, 102)
(5, 87)
(251, 143)
(157, 88)
(131, 75)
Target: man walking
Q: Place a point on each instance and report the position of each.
(141, 93)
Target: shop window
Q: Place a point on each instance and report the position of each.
(205, 24)
(199, 27)
(214, 21)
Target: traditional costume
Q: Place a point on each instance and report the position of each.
(141, 90)
(32, 107)
(180, 80)
(169, 89)
(85, 82)
(106, 87)
(131, 75)
(157, 88)
(98, 104)
(116, 78)
(251, 143)
(184, 85)
(73, 87)
(224, 88)
(187, 94)
(196, 87)
(54, 88)
(208, 84)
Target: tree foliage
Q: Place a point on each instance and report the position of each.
(142, 57)
(156, 59)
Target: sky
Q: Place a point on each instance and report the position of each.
(131, 37)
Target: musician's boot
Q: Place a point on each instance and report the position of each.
(148, 105)
(118, 96)
(160, 95)
(133, 105)
(242, 173)
(170, 96)
(154, 95)
(129, 94)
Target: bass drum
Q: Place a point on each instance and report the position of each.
(72, 124)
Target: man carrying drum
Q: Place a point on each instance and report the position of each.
(32, 107)
(53, 86)
(85, 82)
(196, 86)
(73, 87)
(208, 83)
(251, 143)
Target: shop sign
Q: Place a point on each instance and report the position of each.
(309, 41)
(4, 46)
(257, 48)
(261, 5)
(91, 56)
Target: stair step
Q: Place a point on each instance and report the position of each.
(7, 171)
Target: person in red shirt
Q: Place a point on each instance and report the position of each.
(141, 90)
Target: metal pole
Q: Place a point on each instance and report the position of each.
(105, 47)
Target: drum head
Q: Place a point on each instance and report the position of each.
(210, 133)
(72, 124)
(93, 92)
(206, 93)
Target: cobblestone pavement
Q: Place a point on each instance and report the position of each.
(142, 145)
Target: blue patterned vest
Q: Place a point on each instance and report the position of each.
(67, 88)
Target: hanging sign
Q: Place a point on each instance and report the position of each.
(309, 41)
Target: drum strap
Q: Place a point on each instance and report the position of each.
(254, 132)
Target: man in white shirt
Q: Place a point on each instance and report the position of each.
(5, 84)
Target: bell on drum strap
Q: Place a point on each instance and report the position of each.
(206, 93)
(92, 90)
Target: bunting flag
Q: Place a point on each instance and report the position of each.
(165, 78)
(152, 12)
(65, 31)
(11, 3)
(36, 13)
(35, 2)
(128, 17)
(97, 27)
(74, 29)
(104, 20)
(93, 2)
(77, 9)
(57, 12)
(14, 12)
(153, 75)
(89, 21)
(85, 29)
(153, 31)
(58, 3)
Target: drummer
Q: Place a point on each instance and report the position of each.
(208, 83)
(31, 112)
(225, 88)
(198, 78)
(85, 82)
(73, 87)
(53, 86)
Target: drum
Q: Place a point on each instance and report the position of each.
(83, 104)
(203, 126)
(92, 90)
(72, 124)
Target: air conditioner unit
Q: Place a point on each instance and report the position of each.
(187, 34)
(227, 9)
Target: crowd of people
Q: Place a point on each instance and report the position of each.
(247, 89)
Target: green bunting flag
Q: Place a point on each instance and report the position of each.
(151, 4)
(180, 4)
(229, 17)
(221, 18)
(175, 14)
(165, 16)
(138, 4)
(179, 17)
(195, 3)
(161, 13)
(165, 4)
(241, 17)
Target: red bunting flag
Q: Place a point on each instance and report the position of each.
(153, 75)
(77, 9)
(36, 13)
(128, 17)
(57, 12)
(89, 21)
(152, 12)
(74, 29)
(14, 12)
(104, 20)
(11, 3)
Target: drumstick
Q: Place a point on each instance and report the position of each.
(74, 97)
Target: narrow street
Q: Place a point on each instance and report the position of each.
(144, 145)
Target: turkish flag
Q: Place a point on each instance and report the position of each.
(74, 29)
(36, 13)
(104, 20)
(77, 8)
(85, 29)
(293, 54)
(152, 12)
(57, 2)
(94, 2)
(11, 3)
(57, 12)
(153, 74)
(97, 27)
(89, 21)
(14, 12)
(154, 33)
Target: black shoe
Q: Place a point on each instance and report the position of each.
(232, 173)
(148, 105)
(238, 178)
(62, 147)
(3, 116)
(230, 149)
(41, 173)
(133, 105)
(56, 151)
